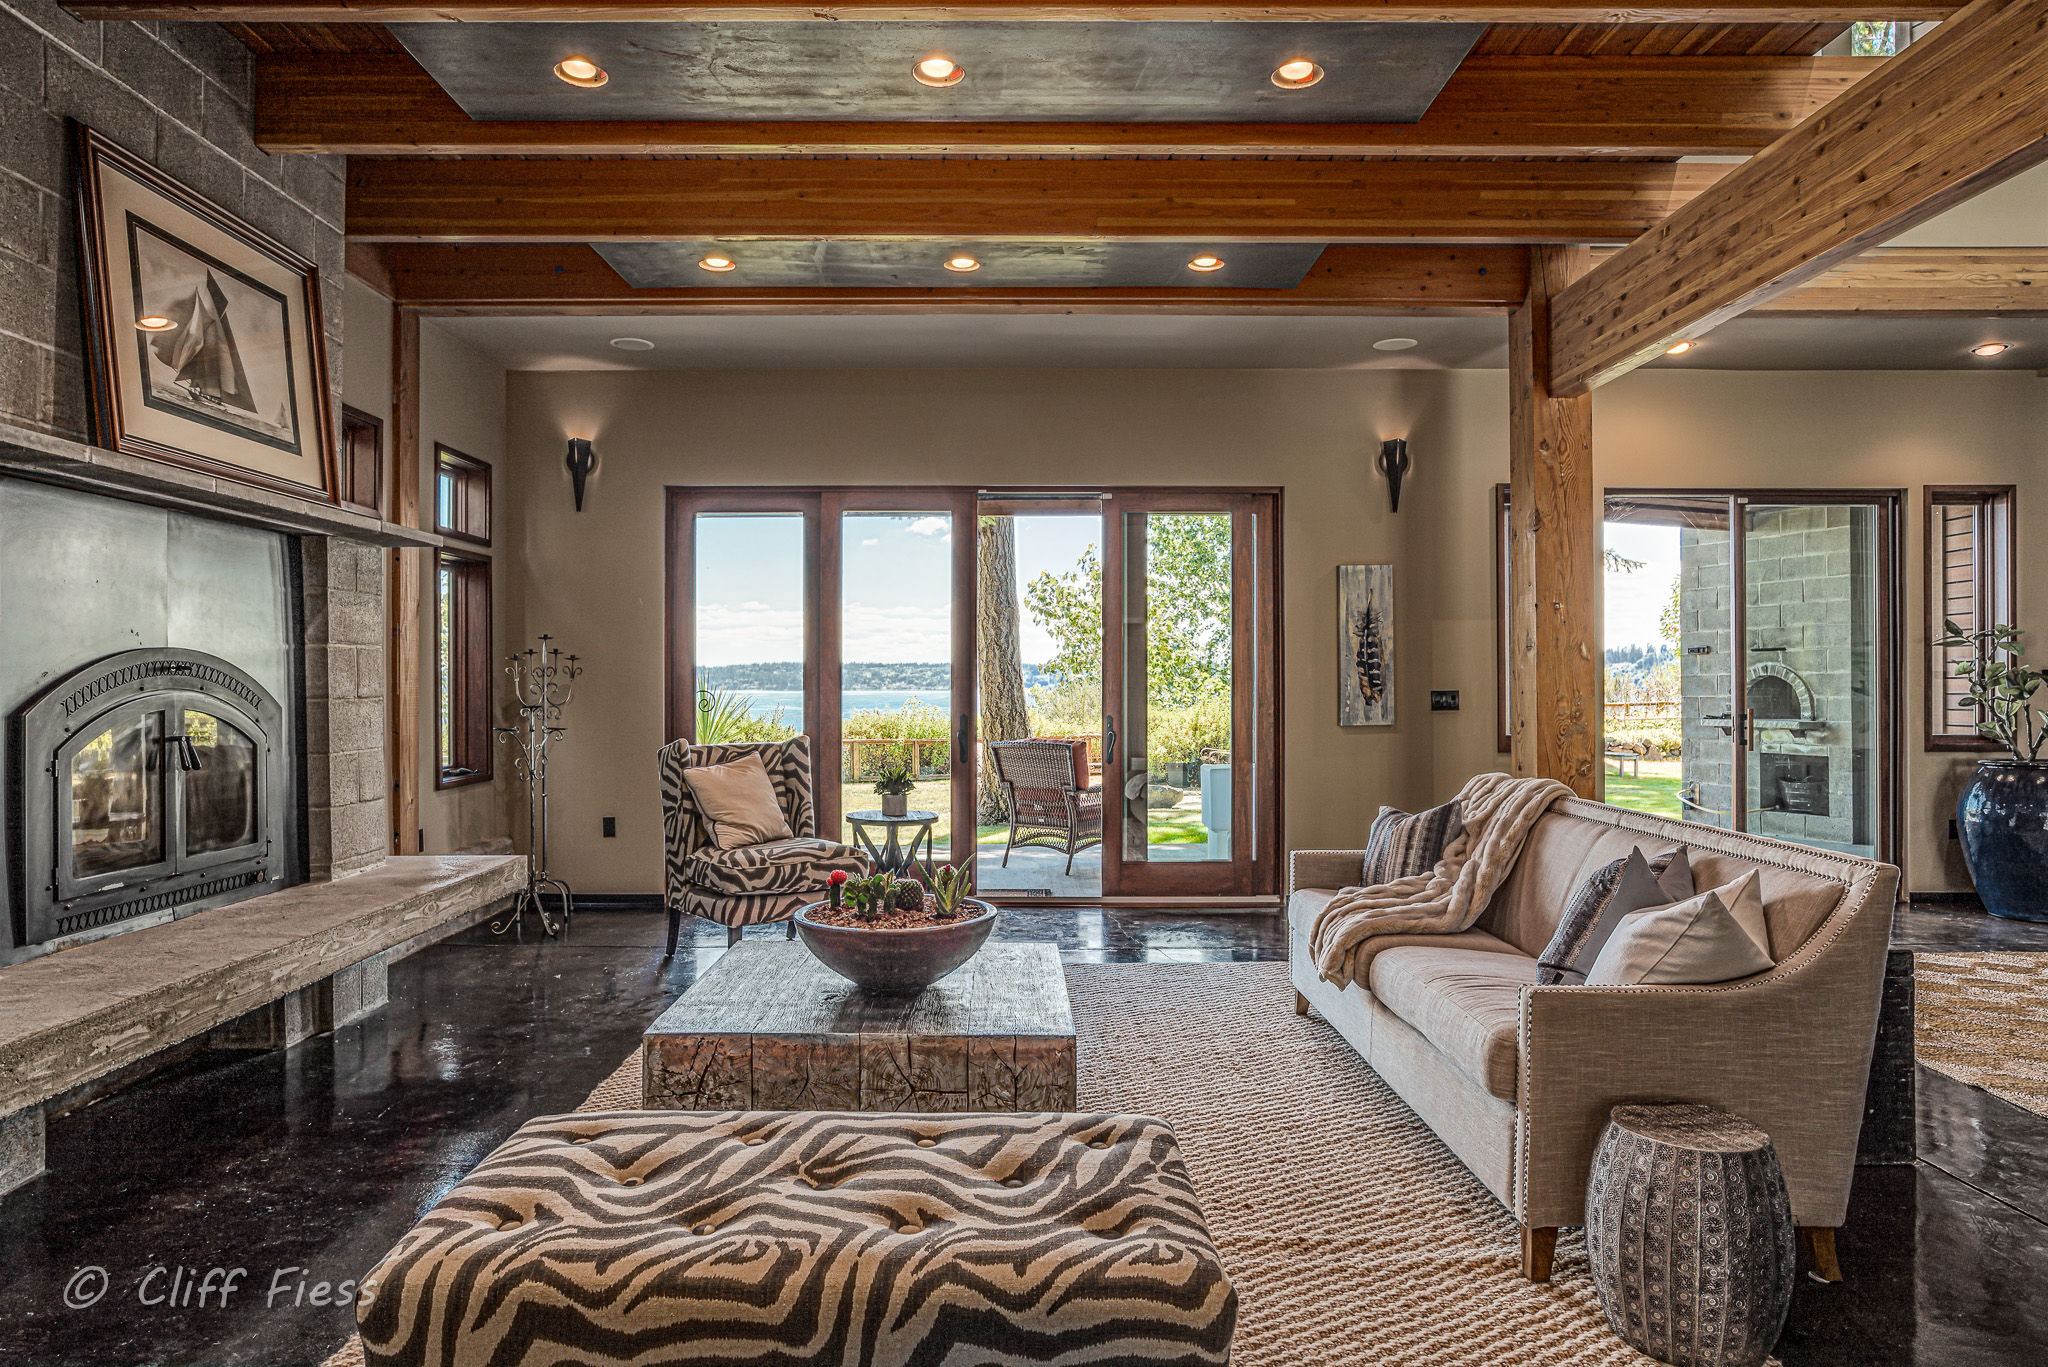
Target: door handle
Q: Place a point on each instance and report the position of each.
(960, 738)
(1749, 730)
(1108, 742)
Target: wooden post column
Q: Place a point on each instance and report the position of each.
(402, 706)
(1554, 666)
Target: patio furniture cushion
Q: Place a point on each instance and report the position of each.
(1466, 1002)
(810, 1237)
(739, 802)
(795, 865)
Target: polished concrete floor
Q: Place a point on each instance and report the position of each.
(301, 1168)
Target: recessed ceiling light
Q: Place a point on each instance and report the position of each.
(1206, 263)
(938, 71)
(1990, 348)
(632, 344)
(1679, 348)
(1394, 344)
(156, 322)
(717, 263)
(581, 71)
(962, 263)
(1298, 74)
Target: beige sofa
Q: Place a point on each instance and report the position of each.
(1518, 1079)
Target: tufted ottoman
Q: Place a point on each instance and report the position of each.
(779, 1238)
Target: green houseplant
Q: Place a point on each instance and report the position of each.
(890, 935)
(2002, 811)
(895, 784)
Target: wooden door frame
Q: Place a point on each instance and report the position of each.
(822, 508)
(1887, 648)
(1256, 728)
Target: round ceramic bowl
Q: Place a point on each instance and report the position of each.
(897, 961)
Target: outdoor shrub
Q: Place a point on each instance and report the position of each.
(723, 719)
(914, 720)
(1177, 735)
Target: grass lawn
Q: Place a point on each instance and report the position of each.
(1655, 791)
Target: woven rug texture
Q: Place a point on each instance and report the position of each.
(1983, 1020)
(1353, 1236)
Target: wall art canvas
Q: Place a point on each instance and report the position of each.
(1365, 645)
(204, 334)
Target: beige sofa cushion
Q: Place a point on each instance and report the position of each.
(1466, 1002)
(1308, 903)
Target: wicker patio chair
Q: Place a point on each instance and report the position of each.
(1046, 782)
(754, 884)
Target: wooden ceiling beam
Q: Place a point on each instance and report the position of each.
(1304, 11)
(569, 200)
(571, 278)
(1959, 111)
(1924, 282)
(388, 105)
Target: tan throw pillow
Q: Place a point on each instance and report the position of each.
(1715, 937)
(1608, 894)
(739, 802)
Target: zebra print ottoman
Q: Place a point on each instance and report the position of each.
(786, 1239)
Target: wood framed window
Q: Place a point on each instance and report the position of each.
(362, 460)
(462, 496)
(1503, 595)
(462, 670)
(1970, 581)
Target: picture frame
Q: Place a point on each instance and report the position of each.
(204, 338)
(1365, 645)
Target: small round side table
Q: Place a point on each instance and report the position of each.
(895, 857)
(1690, 1235)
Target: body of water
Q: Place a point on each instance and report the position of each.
(764, 702)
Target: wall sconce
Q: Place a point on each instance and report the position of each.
(1393, 463)
(582, 460)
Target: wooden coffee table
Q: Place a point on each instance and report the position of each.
(769, 1028)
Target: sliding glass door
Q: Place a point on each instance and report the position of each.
(1751, 676)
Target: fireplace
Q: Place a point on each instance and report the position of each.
(148, 784)
(1793, 783)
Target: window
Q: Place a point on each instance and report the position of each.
(462, 670)
(1969, 582)
(462, 496)
(362, 460)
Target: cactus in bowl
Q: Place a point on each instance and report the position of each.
(950, 887)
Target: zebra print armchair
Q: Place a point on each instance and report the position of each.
(755, 884)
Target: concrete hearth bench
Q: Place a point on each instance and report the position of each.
(264, 973)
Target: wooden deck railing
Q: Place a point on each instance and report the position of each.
(863, 756)
(1643, 711)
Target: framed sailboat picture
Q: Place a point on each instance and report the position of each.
(204, 334)
(1365, 645)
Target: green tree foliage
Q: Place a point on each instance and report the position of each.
(1187, 637)
(1671, 619)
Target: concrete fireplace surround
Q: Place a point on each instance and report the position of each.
(268, 971)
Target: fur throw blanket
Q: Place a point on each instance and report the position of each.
(1498, 812)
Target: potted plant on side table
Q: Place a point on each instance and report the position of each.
(892, 935)
(2002, 813)
(895, 784)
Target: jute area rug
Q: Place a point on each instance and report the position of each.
(1353, 1236)
(1983, 1020)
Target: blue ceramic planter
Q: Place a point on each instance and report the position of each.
(2002, 818)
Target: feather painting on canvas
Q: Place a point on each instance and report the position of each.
(1365, 645)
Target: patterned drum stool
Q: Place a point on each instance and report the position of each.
(792, 1238)
(1690, 1235)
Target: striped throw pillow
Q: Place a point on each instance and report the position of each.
(1403, 844)
(1609, 893)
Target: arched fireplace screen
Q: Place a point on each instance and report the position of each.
(148, 786)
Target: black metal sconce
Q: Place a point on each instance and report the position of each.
(582, 460)
(1393, 463)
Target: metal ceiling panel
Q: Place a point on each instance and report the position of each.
(920, 265)
(1015, 72)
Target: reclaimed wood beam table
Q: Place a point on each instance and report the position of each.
(769, 1028)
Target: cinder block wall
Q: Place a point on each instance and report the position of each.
(177, 95)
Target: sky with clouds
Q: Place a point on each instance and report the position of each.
(896, 579)
(1635, 599)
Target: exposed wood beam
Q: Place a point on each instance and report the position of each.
(571, 278)
(387, 105)
(1553, 667)
(1962, 109)
(415, 200)
(1925, 282)
(402, 718)
(1306, 11)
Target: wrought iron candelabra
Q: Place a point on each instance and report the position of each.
(543, 682)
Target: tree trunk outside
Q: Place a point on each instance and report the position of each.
(1004, 707)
